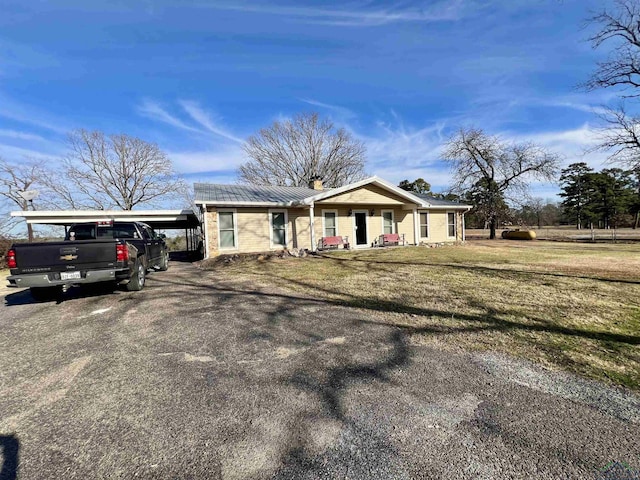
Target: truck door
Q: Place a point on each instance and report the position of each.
(154, 246)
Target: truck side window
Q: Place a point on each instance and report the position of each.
(149, 232)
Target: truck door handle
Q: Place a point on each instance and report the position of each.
(148, 243)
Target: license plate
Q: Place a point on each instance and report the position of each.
(69, 275)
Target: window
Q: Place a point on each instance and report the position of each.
(451, 223)
(424, 225)
(149, 233)
(330, 225)
(278, 229)
(227, 230)
(124, 231)
(387, 221)
(82, 232)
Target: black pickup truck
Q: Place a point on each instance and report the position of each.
(120, 252)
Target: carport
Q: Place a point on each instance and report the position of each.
(183, 220)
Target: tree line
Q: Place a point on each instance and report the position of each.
(609, 198)
(530, 212)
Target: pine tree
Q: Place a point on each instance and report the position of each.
(575, 182)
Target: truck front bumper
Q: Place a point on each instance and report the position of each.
(53, 279)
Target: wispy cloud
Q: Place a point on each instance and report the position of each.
(212, 160)
(396, 152)
(405, 145)
(15, 58)
(342, 113)
(363, 17)
(203, 159)
(14, 153)
(204, 122)
(574, 145)
(21, 135)
(154, 111)
(29, 115)
(197, 113)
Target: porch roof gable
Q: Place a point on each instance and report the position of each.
(411, 198)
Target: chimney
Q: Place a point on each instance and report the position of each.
(315, 183)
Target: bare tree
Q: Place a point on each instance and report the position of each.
(622, 67)
(293, 152)
(619, 28)
(115, 171)
(620, 136)
(493, 169)
(15, 179)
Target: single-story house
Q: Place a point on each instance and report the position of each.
(252, 218)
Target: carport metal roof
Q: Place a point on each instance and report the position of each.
(159, 219)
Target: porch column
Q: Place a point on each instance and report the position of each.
(312, 227)
(205, 236)
(416, 227)
(463, 234)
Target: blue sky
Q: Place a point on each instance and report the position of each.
(198, 77)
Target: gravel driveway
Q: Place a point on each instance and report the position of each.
(197, 378)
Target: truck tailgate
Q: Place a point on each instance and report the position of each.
(65, 256)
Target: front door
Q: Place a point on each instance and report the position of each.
(361, 228)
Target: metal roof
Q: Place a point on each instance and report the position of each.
(250, 194)
(258, 195)
(164, 219)
(439, 202)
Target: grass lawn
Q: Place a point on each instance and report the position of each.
(566, 305)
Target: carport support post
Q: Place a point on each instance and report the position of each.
(312, 227)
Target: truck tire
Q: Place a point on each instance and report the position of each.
(164, 262)
(139, 276)
(43, 294)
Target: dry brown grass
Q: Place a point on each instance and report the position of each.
(565, 305)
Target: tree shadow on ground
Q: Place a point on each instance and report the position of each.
(10, 448)
(24, 297)
(279, 309)
(491, 320)
(329, 386)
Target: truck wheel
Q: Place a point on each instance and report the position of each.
(43, 294)
(139, 276)
(164, 263)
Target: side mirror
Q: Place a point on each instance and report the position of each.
(162, 236)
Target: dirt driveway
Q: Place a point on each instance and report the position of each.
(197, 378)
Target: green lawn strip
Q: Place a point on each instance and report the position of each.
(541, 302)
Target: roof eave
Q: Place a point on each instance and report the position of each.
(215, 203)
(446, 207)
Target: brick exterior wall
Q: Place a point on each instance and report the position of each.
(212, 231)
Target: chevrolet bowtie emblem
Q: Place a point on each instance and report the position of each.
(68, 257)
